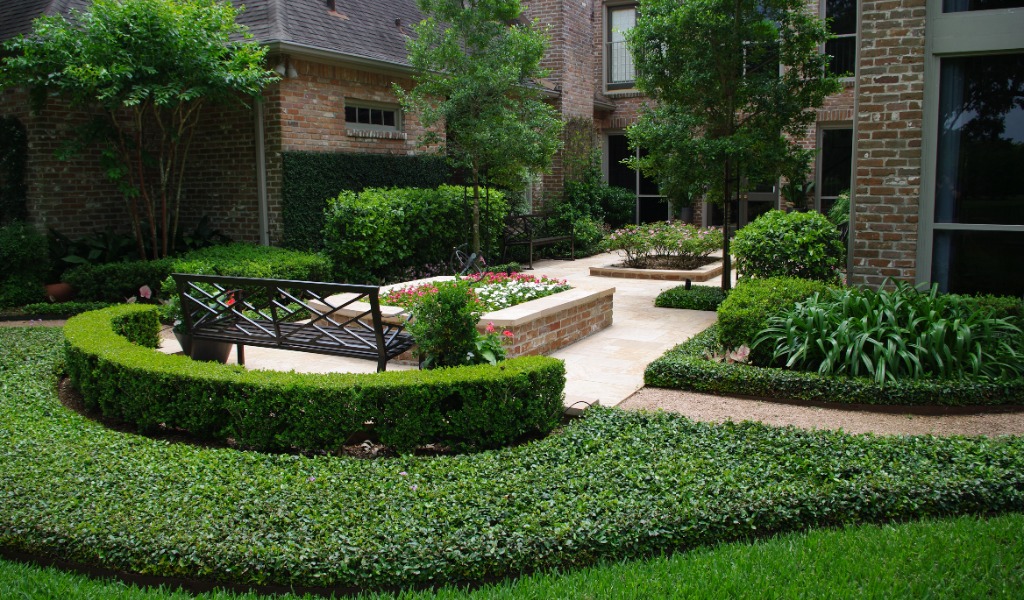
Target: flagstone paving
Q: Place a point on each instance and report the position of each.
(605, 368)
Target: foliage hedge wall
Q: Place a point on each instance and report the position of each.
(465, 407)
(311, 178)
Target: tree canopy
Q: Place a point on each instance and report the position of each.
(478, 65)
(735, 83)
(148, 66)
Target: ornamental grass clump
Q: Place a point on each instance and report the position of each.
(664, 243)
(896, 335)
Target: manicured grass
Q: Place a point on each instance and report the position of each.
(612, 486)
(966, 557)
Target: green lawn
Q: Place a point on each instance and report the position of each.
(965, 557)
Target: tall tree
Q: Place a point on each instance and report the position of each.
(478, 64)
(149, 66)
(735, 84)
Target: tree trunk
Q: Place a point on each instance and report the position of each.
(726, 217)
(476, 212)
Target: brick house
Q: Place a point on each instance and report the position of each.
(927, 134)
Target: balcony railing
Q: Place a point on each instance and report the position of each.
(620, 64)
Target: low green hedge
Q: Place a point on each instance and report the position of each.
(469, 408)
(744, 314)
(62, 309)
(611, 486)
(686, 367)
(698, 297)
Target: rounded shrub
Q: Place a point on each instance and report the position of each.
(445, 326)
(789, 244)
(698, 297)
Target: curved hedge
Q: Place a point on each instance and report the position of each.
(467, 407)
(613, 485)
(686, 367)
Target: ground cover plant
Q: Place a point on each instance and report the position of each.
(611, 486)
(908, 560)
(490, 291)
(695, 297)
(893, 335)
(666, 245)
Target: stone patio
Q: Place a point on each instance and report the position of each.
(605, 368)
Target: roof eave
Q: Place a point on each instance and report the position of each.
(324, 54)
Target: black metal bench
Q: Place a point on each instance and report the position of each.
(306, 316)
(528, 230)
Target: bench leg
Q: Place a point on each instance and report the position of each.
(382, 365)
(240, 354)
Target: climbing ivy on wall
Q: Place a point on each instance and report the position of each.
(310, 178)
(13, 160)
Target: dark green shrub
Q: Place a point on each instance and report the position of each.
(840, 211)
(467, 407)
(892, 335)
(745, 313)
(793, 244)
(23, 255)
(250, 260)
(445, 326)
(698, 297)
(386, 235)
(310, 179)
(62, 309)
(687, 367)
(117, 281)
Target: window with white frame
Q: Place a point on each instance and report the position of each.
(842, 24)
(362, 115)
(621, 72)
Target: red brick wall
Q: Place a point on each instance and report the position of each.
(888, 144)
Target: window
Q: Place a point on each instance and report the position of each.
(835, 160)
(620, 62)
(842, 21)
(969, 5)
(651, 206)
(368, 116)
(979, 193)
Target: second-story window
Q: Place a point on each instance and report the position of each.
(620, 62)
(842, 15)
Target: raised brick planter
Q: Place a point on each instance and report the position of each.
(702, 274)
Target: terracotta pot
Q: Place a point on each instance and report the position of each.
(203, 349)
(59, 292)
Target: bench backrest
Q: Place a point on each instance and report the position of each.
(208, 300)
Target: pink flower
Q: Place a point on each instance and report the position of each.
(507, 334)
(146, 292)
(490, 328)
(403, 473)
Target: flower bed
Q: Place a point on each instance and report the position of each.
(491, 291)
(665, 245)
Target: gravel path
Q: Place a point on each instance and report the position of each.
(885, 421)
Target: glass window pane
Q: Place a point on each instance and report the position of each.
(621, 20)
(619, 175)
(350, 114)
(364, 115)
(620, 61)
(648, 186)
(653, 210)
(389, 118)
(376, 116)
(969, 5)
(968, 262)
(843, 15)
(836, 159)
(980, 158)
(844, 55)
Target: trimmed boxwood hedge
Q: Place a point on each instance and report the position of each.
(686, 367)
(467, 407)
(698, 297)
(613, 485)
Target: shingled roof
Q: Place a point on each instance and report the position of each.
(373, 30)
